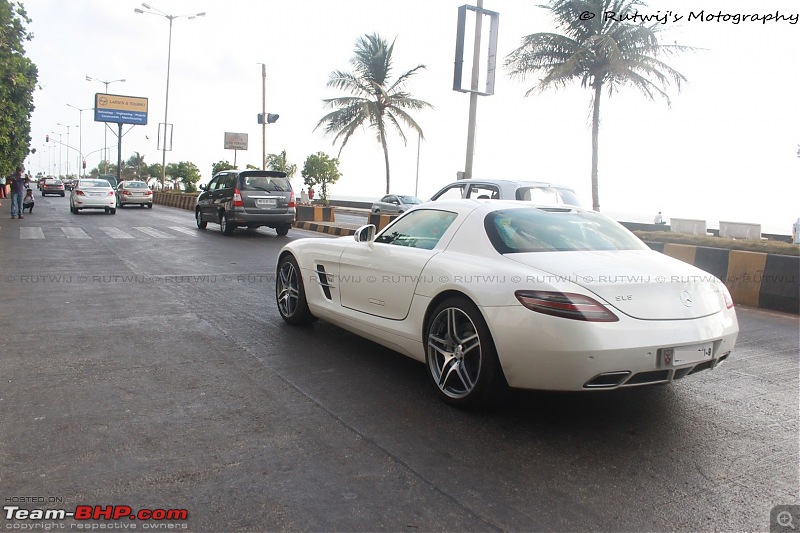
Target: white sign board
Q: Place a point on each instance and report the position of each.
(235, 141)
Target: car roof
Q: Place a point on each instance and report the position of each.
(525, 183)
(467, 205)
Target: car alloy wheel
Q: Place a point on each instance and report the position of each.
(225, 225)
(199, 219)
(290, 293)
(460, 354)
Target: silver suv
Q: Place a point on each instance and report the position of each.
(247, 198)
(491, 189)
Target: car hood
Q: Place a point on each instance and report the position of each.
(642, 284)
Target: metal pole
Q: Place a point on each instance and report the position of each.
(416, 184)
(166, 109)
(473, 96)
(119, 155)
(263, 116)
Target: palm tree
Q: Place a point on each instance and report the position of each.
(376, 103)
(598, 50)
(281, 163)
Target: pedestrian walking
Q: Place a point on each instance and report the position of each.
(17, 192)
(2, 189)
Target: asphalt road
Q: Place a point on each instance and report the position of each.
(144, 364)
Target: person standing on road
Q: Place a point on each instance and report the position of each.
(2, 188)
(17, 192)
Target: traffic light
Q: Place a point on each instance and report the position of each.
(84, 164)
(47, 138)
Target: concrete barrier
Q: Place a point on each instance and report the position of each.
(315, 213)
(767, 281)
(691, 226)
(740, 230)
(381, 221)
(181, 200)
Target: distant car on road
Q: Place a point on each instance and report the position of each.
(53, 186)
(69, 184)
(541, 193)
(134, 193)
(247, 198)
(93, 194)
(393, 204)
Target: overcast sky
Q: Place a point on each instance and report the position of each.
(725, 150)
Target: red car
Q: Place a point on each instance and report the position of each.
(53, 186)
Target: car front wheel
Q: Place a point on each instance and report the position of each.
(290, 293)
(199, 220)
(460, 354)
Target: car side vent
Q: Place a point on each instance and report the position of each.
(324, 281)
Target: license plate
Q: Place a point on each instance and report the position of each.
(266, 202)
(684, 355)
(95, 194)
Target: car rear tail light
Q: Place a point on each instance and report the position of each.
(148, 192)
(566, 305)
(110, 193)
(79, 192)
(237, 198)
(126, 193)
(727, 295)
(292, 202)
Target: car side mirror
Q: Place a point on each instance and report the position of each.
(365, 233)
(202, 186)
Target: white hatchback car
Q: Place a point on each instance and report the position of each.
(93, 194)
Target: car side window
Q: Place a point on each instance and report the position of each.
(484, 192)
(213, 183)
(454, 192)
(418, 229)
(227, 181)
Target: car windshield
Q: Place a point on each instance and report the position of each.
(94, 183)
(265, 183)
(556, 229)
(135, 185)
(52, 181)
(410, 200)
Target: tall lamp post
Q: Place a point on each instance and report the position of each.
(105, 128)
(80, 137)
(155, 11)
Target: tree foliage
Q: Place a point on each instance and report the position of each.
(186, 173)
(377, 103)
(320, 169)
(281, 163)
(598, 51)
(219, 166)
(18, 77)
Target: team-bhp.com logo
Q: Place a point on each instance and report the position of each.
(94, 512)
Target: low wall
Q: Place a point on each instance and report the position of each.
(181, 200)
(756, 279)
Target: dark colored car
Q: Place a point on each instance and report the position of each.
(247, 198)
(69, 184)
(53, 186)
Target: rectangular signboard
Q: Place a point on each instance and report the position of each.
(235, 141)
(120, 109)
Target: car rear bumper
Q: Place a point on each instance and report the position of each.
(552, 353)
(144, 200)
(95, 203)
(258, 219)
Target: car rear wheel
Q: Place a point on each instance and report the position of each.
(290, 293)
(199, 220)
(225, 225)
(113, 210)
(283, 229)
(149, 206)
(460, 354)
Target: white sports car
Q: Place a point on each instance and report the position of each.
(494, 293)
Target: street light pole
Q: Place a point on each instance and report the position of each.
(80, 137)
(263, 116)
(158, 12)
(105, 126)
(68, 145)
